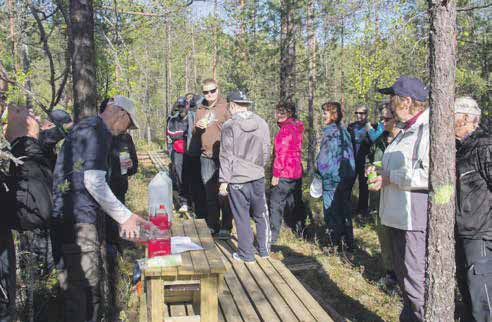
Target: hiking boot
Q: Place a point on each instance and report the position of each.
(239, 259)
(223, 234)
(184, 208)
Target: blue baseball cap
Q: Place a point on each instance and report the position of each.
(409, 87)
(60, 117)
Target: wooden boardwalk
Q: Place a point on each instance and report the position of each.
(262, 291)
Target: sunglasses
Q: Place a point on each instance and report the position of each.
(210, 91)
(360, 113)
(386, 119)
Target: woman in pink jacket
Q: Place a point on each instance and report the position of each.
(286, 192)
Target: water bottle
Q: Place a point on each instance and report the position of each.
(161, 196)
(124, 158)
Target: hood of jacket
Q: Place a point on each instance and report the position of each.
(247, 121)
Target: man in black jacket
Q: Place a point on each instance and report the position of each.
(474, 211)
(25, 195)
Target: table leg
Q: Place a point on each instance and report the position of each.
(157, 304)
(209, 304)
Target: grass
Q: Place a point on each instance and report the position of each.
(349, 284)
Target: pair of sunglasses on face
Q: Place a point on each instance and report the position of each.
(360, 113)
(212, 91)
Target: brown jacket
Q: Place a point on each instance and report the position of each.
(210, 137)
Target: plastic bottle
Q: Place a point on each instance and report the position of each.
(124, 157)
(161, 194)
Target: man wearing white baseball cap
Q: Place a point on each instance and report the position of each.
(474, 211)
(82, 199)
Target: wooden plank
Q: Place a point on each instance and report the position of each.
(303, 295)
(186, 268)
(178, 309)
(156, 299)
(200, 263)
(227, 305)
(276, 300)
(142, 311)
(258, 299)
(213, 256)
(195, 318)
(244, 305)
(283, 290)
(208, 298)
(301, 312)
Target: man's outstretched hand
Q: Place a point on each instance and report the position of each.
(130, 229)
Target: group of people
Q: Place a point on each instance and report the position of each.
(219, 149)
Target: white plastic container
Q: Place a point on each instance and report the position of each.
(161, 193)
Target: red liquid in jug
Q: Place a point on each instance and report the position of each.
(159, 247)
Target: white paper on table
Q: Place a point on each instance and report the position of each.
(180, 244)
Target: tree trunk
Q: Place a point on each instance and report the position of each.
(13, 40)
(215, 44)
(440, 277)
(287, 49)
(311, 40)
(193, 57)
(168, 66)
(83, 59)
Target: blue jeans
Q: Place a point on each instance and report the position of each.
(338, 212)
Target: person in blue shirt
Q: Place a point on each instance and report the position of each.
(360, 141)
(82, 199)
(335, 165)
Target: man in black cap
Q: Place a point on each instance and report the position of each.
(244, 152)
(177, 131)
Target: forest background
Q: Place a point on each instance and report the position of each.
(155, 51)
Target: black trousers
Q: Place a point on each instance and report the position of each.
(181, 186)
(7, 276)
(286, 204)
(474, 269)
(215, 202)
(192, 179)
(360, 168)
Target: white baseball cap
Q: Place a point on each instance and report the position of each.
(467, 105)
(127, 104)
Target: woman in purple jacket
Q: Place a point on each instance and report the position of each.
(286, 192)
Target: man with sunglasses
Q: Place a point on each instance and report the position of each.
(360, 140)
(82, 199)
(208, 124)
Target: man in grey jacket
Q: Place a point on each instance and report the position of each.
(244, 152)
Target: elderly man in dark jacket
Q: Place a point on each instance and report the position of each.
(474, 211)
(25, 195)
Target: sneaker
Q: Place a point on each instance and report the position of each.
(184, 208)
(223, 234)
(265, 256)
(239, 259)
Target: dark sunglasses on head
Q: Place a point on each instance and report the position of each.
(360, 113)
(210, 91)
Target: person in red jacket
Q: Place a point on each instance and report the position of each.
(286, 192)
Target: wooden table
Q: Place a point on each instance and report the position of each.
(196, 280)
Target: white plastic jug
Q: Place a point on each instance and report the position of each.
(161, 193)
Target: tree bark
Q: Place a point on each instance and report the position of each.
(83, 58)
(215, 44)
(311, 40)
(287, 49)
(13, 39)
(440, 276)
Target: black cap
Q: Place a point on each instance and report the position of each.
(407, 86)
(238, 96)
(60, 117)
(181, 101)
